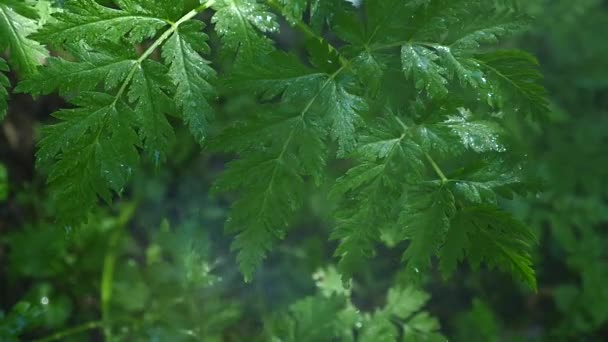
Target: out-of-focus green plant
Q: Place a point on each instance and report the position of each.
(331, 316)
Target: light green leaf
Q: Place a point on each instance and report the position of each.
(425, 220)
(109, 66)
(192, 75)
(421, 63)
(15, 29)
(92, 22)
(241, 24)
(487, 235)
(148, 92)
(516, 80)
(92, 150)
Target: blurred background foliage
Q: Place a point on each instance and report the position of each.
(156, 266)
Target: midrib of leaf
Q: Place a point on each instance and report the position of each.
(243, 22)
(182, 57)
(13, 29)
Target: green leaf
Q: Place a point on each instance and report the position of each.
(331, 316)
(272, 178)
(241, 24)
(329, 283)
(476, 135)
(149, 93)
(105, 133)
(108, 65)
(293, 9)
(487, 235)
(421, 63)
(486, 181)
(437, 44)
(425, 220)
(379, 328)
(92, 150)
(323, 11)
(15, 29)
(516, 80)
(92, 22)
(369, 193)
(170, 10)
(316, 318)
(422, 327)
(192, 75)
(342, 110)
(403, 307)
(404, 302)
(282, 149)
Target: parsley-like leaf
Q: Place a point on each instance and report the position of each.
(241, 24)
(274, 166)
(486, 235)
(425, 220)
(192, 76)
(95, 147)
(15, 29)
(87, 19)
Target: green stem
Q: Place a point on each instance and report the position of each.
(109, 264)
(437, 169)
(71, 331)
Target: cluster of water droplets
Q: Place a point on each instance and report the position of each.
(479, 136)
(256, 14)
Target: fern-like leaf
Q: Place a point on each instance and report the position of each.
(372, 191)
(241, 24)
(192, 76)
(15, 28)
(106, 65)
(486, 235)
(282, 150)
(516, 80)
(93, 151)
(425, 220)
(103, 135)
(86, 19)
